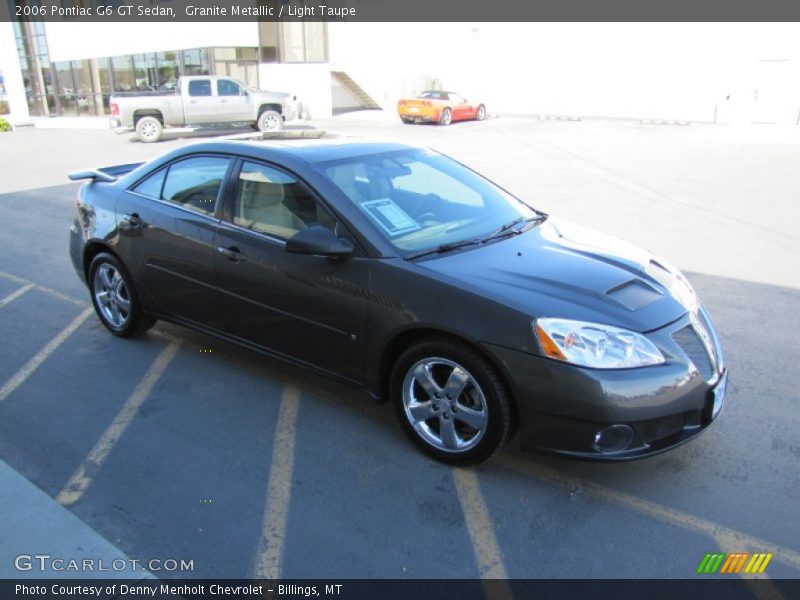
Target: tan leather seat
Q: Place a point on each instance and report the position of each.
(262, 209)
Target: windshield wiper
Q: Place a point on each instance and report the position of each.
(444, 248)
(505, 230)
(511, 229)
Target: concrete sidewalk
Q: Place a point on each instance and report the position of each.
(36, 526)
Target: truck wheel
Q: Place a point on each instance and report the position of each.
(270, 120)
(149, 129)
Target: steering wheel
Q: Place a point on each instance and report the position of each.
(423, 211)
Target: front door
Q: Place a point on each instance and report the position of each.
(310, 308)
(234, 102)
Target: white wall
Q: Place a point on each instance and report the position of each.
(310, 82)
(638, 70)
(74, 40)
(12, 76)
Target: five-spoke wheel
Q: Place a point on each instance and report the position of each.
(451, 401)
(114, 297)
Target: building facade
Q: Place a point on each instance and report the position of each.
(705, 72)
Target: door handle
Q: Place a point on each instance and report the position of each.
(193, 101)
(233, 254)
(223, 101)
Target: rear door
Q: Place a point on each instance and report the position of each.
(167, 222)
(200, 102)
(309, 308)
(234, 102)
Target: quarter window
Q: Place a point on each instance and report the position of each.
(200, 87)
(151, 187)
(194, 183)
(274, 203)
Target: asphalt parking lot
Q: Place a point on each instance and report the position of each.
(179, 445)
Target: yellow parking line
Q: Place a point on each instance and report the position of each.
(279, 489)
(86, 472)
(30, 367)
(481, 532)
(43, 288)
(14, 295)
(14, 278)
(734, 539)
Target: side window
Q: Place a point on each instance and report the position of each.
(456, 99)
(151, 187)
(194, 183)
(272, 202)
(200, 87)
(226, 87)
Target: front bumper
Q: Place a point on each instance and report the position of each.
(616, 414)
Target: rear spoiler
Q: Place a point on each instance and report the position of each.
(105, 174)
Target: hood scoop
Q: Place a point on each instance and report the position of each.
(634, 294)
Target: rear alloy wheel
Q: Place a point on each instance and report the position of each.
(480, 115)
(270, 120)
(114, 298)
(446, 117)
(149, 129)
(451, 402)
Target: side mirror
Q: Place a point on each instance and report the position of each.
(318, 240)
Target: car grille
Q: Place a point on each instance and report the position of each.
(690, 342)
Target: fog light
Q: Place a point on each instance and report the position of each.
(613, 438)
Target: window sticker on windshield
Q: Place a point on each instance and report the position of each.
(393, 219)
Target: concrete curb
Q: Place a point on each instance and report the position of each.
(35, 524)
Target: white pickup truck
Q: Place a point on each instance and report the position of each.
(199, 101)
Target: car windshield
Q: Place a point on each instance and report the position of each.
(420, 200)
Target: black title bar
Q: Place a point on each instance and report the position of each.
(733, 588)
(137, 11)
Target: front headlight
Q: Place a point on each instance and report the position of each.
(594, 345)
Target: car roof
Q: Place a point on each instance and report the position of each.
(308, 150)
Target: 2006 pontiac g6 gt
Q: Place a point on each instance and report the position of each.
(405, 273)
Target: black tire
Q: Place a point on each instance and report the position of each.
(485, 384)
(149, 129)
(407, 121)
(480, 114)
(446, 117)
(133, 321)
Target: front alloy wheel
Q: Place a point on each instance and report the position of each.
(445, 404)
(451, 402)
(270, 120)
(446, 118)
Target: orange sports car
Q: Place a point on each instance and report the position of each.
(439, 107)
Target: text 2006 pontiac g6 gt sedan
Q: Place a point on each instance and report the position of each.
(407, 274)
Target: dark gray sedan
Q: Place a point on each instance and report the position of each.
(402, 272)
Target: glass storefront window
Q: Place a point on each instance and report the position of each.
(168, 70)
(67, 95)
(123, 74)
(195, 62)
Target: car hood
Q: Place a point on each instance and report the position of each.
(560, 269)
(282, 95)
